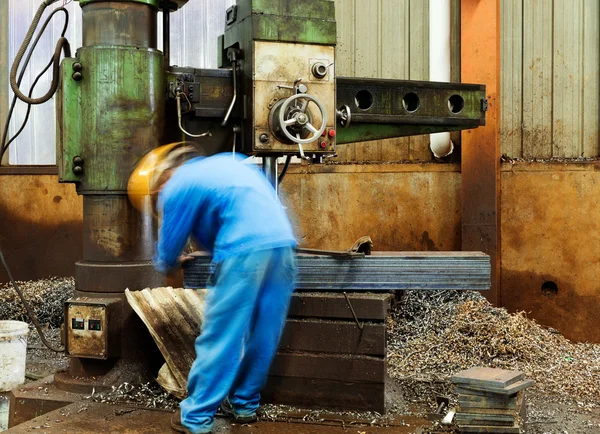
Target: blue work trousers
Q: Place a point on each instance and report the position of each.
(246, 309)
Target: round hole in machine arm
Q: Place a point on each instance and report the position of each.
(456, 103)
(411, 102)
(363, 99)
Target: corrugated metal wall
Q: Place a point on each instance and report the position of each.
(376, 38)
(550, 83)
(383, 39)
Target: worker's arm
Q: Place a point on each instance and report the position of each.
(179, 207)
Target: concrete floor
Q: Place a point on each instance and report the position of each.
(79, 418)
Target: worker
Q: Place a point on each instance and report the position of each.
(230, 208)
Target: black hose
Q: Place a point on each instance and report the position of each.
(62, 45)
(3, 145)
(30, 313)
(286, 166)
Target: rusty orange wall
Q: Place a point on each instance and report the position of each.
(550, 220)
(549, 226)
(400, 206)
(40, 226)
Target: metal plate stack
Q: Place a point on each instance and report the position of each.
(381, 271)
(490, 400)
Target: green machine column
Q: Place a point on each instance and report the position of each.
(110, 113)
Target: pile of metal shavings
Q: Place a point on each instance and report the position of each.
(432, 335)
(149, 395)
(287, 413)
(46, 298)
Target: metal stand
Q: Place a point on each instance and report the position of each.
(269, 167)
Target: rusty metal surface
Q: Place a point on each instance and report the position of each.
(119, 23)
(40, 226)
(174, 318)
(401, 207)
(480, 55)
(115, 231)
(138, 361)
(80, 418)
(550, 245)
(35, 399)
(102, 277)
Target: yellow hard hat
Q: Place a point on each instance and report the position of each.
(139, 187)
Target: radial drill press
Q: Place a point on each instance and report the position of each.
(276, 94)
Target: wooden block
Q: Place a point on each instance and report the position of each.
(373, 307)
(487, 377)
(333, 337)
(363, 369)
(515, 429)
(326, 394)
(507, 391)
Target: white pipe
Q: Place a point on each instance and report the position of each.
(439, 64)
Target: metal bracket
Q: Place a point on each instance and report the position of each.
(231, 15)
(484, 104)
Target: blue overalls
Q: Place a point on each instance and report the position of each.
(232, 210)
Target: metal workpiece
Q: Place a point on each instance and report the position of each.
(125, 23)
(393, 108)
(382, 271)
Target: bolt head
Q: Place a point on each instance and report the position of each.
(78, 170)
(264, 138)
(77, 76)
(77, 67)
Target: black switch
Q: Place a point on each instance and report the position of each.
(95, 325)
(77, 324)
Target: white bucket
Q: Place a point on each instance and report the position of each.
(13, 350)
(3, 413)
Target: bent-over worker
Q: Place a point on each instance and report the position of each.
(231, 209)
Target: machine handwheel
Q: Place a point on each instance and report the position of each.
(299, 118)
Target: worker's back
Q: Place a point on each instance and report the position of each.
(228, 206)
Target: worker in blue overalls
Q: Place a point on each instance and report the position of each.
(231, 209)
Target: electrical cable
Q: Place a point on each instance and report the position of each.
(3, 144)
(62, 45)
(286, 166)
(30, 313)
(208, 133)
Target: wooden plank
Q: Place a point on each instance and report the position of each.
(591, 78)
(359, 369)
(485, 378)
(333, 337)
(485, 419)
(537, 79)
(325, 394)
(511, 75)
(374, 307)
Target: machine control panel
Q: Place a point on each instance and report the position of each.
(87, 324)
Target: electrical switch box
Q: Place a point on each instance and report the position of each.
(88, 327)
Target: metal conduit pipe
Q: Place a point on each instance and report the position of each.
(439, 64)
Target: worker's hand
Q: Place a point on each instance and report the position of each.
(185, 258)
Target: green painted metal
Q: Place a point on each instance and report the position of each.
(68, 122)
(154, 3)
(301, 21)
(121, 110)
(366, 132)
(318, 9)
